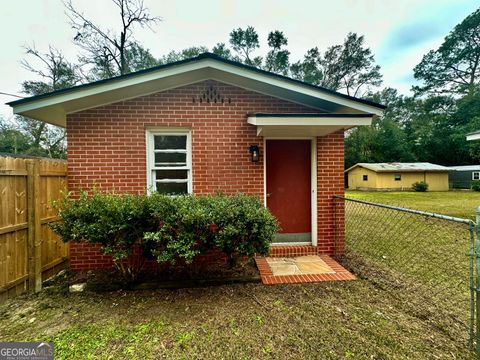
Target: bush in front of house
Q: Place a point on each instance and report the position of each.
(114, 221)
(475, 185)
(238, 226)
(420, 186)
(166, 228)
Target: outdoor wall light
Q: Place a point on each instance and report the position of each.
(255, 153)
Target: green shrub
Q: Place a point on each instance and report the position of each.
(182, 230)
(475, 185)
(420, 186)
(166, 228)
(236, 225)
(114, 221)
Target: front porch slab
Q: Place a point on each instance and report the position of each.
(301, 269)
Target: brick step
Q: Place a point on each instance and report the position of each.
(292, 250)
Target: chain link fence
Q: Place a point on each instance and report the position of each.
(427, 261)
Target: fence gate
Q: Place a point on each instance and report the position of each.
(428, 261)
(29, 250)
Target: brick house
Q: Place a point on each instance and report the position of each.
(204, 125)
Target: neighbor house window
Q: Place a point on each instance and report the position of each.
(476, 175)
(398, 177)
(169, 161)
(365, 177)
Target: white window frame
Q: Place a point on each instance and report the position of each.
(477, 173)
(150, 133)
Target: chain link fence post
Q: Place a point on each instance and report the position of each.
(477, 282)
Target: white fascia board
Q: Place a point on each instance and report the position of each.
(308, 121)
(197, 65)
(306, 90)
(109, 86)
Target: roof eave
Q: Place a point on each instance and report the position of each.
(218, 68)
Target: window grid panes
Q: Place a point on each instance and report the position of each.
(170, 164)
(475, 175)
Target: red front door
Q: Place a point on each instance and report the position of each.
(288, 173)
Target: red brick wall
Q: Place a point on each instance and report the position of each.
(330, 181)
(106, 146)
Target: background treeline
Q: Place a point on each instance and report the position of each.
(429, 125)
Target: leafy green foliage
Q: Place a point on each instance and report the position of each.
(475, 185)
(420, 186)
(386, 139)
(166, 228)
(349, 67)
(244, 226)
(221, 49)
(236, 225)
(277, 59)
(13, 141)
(454, 68)
(310, 68)
(244, 42)
(116, 222)
(190, 52)
(138, 58)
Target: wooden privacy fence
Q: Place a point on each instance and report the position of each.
(29, 250)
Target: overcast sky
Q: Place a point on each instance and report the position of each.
(399, 32)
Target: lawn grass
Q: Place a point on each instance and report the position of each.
(454, 203)
(385, 314)
(339, 320)
(427, 256)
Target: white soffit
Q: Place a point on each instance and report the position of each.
(298, 125)
(54, 108)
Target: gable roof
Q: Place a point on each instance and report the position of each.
(52, 107)
(400, 167)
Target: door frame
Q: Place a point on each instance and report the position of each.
(313, 190)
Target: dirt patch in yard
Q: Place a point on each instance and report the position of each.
(178, 276)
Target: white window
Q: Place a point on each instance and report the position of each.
(476, 175)
(169, 161)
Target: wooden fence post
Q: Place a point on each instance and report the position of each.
(34, 228)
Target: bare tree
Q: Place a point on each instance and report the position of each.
(107, 49)
(55, 72)
(52, 67)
